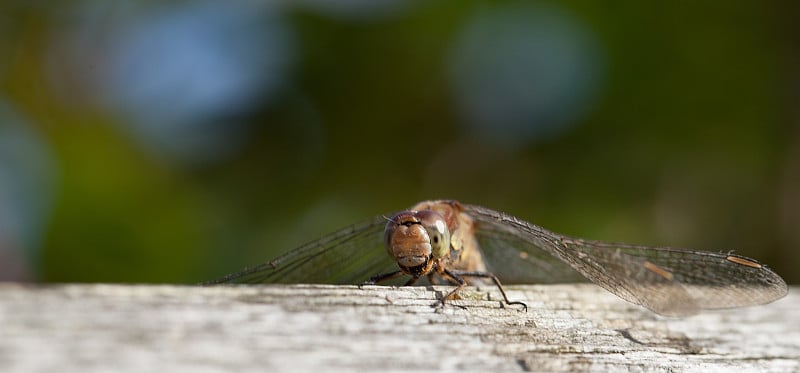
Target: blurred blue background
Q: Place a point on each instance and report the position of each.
(178, 141)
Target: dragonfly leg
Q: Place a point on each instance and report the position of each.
(455, 279)
(383, 277)
(458, 274)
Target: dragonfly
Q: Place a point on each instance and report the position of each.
(449, 241)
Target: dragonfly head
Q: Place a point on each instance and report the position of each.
(415, 238)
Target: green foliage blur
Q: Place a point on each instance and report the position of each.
(687, 136)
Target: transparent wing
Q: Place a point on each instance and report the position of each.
(516, 260)
(673, 282)
(349, 256)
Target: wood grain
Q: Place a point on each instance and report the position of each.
(343, 328)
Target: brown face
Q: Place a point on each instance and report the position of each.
(415, 238)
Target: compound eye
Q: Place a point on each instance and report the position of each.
(437, 230)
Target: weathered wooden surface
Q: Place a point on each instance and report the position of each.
(323, 328)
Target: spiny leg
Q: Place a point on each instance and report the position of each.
(461, 283)
(382, 277)
(453, 278)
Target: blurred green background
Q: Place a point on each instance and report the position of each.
(178, 141)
